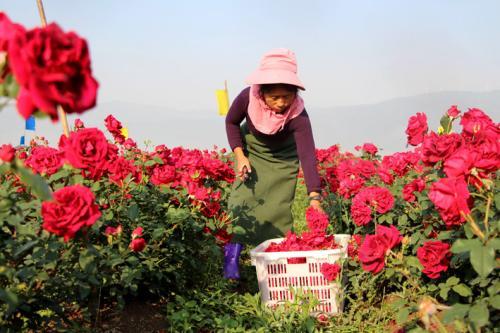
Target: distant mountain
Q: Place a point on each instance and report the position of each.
(382, 124)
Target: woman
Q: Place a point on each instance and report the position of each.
(268, 147)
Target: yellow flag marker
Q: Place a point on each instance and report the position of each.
(222, 100)
(124, 132)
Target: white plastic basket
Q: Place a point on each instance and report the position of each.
(276, 275)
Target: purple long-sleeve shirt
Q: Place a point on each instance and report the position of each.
(299, 127)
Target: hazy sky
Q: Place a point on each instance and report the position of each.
(174, 54)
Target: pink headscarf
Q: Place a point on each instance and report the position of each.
(264, 118)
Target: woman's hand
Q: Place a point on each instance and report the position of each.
(315, 201)
(243, 168)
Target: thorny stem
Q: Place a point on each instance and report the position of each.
(475, 228)
(439, 324)
(486, 215)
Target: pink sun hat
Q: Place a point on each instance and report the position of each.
(277, 66)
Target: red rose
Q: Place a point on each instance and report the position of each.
(385, 175)
(316, 220)
(137, 244)
(400, 163)
(459, 164)
(8, 30)
(45, 160)
(437, 148)
(114, 127)
(450, 196)
(374, 248)
(390, 235)
(120, 168)
(475, 121)
(137, 232)
(129, 144)
(330, 271)
(52, 68)
(372, 253)
(435, 257)
(417, 185)
(370, 148)
(79, 124)
(488, 155)
(370, 198)
(163, 174)
(112, 231)
(417, 127)
(7, 153)
(72, 209)
(453, 112)
(88, 150)
(361, 213)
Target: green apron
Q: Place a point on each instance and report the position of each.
(263, 204)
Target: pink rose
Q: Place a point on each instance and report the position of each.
(417, 128)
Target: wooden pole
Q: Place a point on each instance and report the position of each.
(60, 110)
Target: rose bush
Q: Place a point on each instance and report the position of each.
(445, 207)
(85, 224)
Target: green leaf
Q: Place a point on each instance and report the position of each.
(133, 212)
(239, 230)
(479, 314)
(464, 245)
(10, 298)
(445, 235)
(413, 262)
(85, 259)
(462, 290)
(452, 281)
(150, 163)
(456, 312)
(403, 219)
(37, 184)
(495, 302)
(497, 201)
(444, 293)
(24, 248)
(495, 243)
(482, 259)
(402, 315)
(445, 123)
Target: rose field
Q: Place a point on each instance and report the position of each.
(101, 235)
